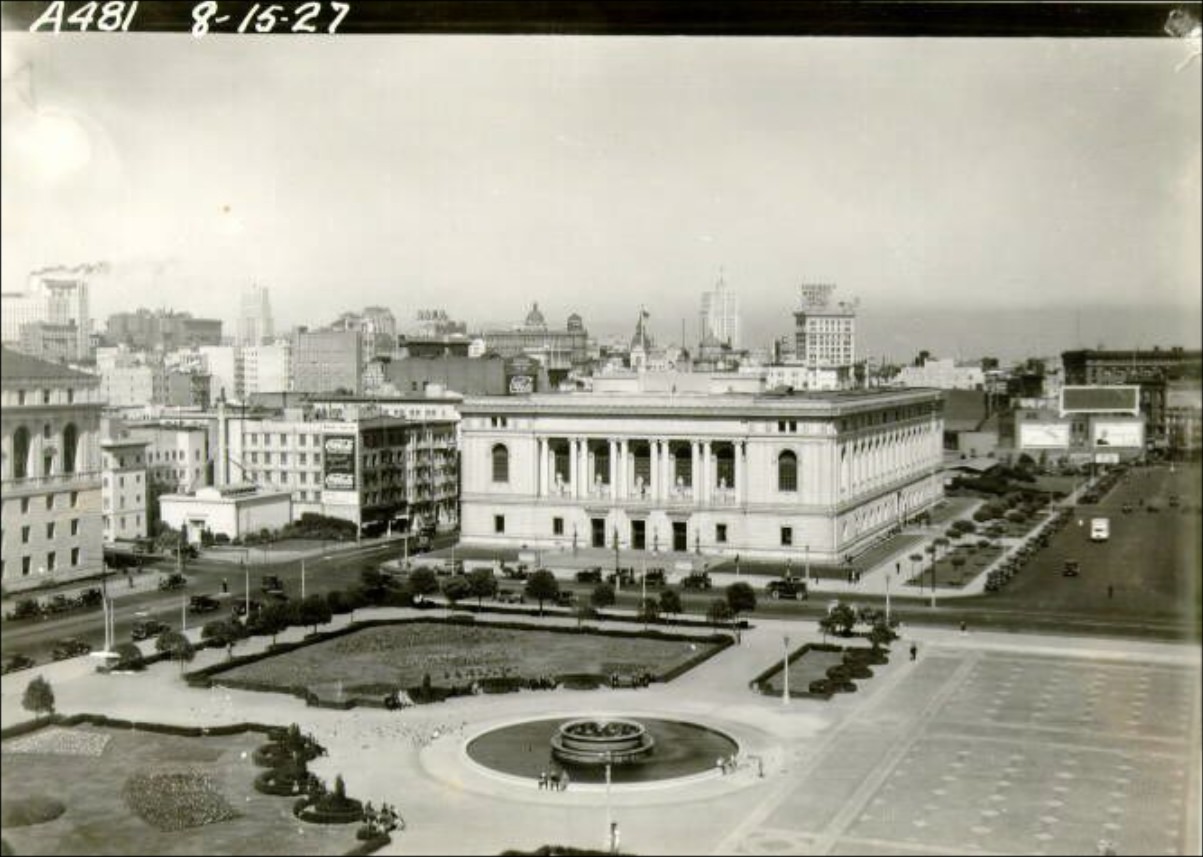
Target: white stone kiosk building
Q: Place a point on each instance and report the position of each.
(764, 476)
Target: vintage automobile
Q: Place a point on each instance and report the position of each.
(655, 577)
(70, 647)
(203, 604)
(697, 580)
(147, 628)
(1071, 569)
(17, 661)
(787, 588)
(175, 580)
(271, 584)
(589, 575)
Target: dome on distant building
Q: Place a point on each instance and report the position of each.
(575, 323)
(534, 318)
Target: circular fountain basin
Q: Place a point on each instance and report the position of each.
(589, 741)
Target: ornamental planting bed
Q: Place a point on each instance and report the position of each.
(139, 792)
(400, 655)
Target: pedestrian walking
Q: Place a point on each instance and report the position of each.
(964, 627)
(225, 585)
(914, 651)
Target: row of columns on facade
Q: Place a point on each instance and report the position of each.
(861, 469)
(621, 483)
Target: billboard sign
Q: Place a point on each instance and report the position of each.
(520, 375)
(1127, 433)
(1100, 400)
(338, 463)
(1043, 435)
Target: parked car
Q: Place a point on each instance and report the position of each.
(655, 577)
(17, 661)
(510, 596)
(175, 580)
(239, 608)
(1173, 500)
(589, 575)
(565, 599)
(26, 608)
(622, 577)
(518, 572)
(1127, 508)
(271, 584)
(70, 647)
(203, 604)
(697, 580)
(787, 588)
(147, 628)
(1071, 569)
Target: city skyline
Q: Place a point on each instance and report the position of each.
(963, 179)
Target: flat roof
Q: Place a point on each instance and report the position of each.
(796, 403)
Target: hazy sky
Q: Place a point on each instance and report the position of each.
(478, 173)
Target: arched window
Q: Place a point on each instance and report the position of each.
(69, 438)
(20, 453)
(501, 463)
(787, 471)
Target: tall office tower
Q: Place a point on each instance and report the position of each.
(56, 296)
(824, 332)
(720, 315)
(255, 321)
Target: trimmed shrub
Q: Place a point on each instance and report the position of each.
(27, 811)
(839, 673)
(858, 669)
(581, 681)
(501, 684)
(820, 685)
(271, 755)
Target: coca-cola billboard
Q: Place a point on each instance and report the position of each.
(338, 462)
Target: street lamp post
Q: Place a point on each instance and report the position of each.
(302, 578)
(617, 575)
(887, 600)
(183, 613)
(785, 672)
(806, 554)
(609, 813)
(246, 592)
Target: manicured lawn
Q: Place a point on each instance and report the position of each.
(398, 656)
(802, 671)
(947, 574)
(86, 772)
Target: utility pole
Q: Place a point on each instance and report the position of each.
(302, 578)
(785, 672)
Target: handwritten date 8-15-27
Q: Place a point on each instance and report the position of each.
(207, 17)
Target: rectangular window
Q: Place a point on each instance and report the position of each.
(49, 501)
(75, 526)
(720, 533)
(25, 535)
(499, 523)
(121, 481)
(25, 563)
(51, 561)
(283, 440)
(24, 505)
(283, 458)
(557, 526)
(75, 556)
(787, 536)
(74, 499)
(639, 535)
(598, 532)
(50, 531)
(123, 522)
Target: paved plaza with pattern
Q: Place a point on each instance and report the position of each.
(986, 744)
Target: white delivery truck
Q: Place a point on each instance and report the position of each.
(1100, 529)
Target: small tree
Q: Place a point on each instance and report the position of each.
(585, 612)
(178, 647)
(958, 563)
(670, 602)
(39, 697)
(915, 559)
(602, 596)
(649, 610)
(314, 611)
(741, 597)
(542, 586)
(223, 633)
(483, 584)
(422, 581)
(843, 618)
(881, 634)
(719, 612)
(456, 589)
(129, 657)
(273, 619)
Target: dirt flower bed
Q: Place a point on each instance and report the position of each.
(60, 742)
(176, 800)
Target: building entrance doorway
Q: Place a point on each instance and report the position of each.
(680, 536)
(598, 532)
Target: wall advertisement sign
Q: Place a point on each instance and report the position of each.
(338, 463)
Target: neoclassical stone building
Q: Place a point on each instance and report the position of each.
(51, 471)
(822, 475)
